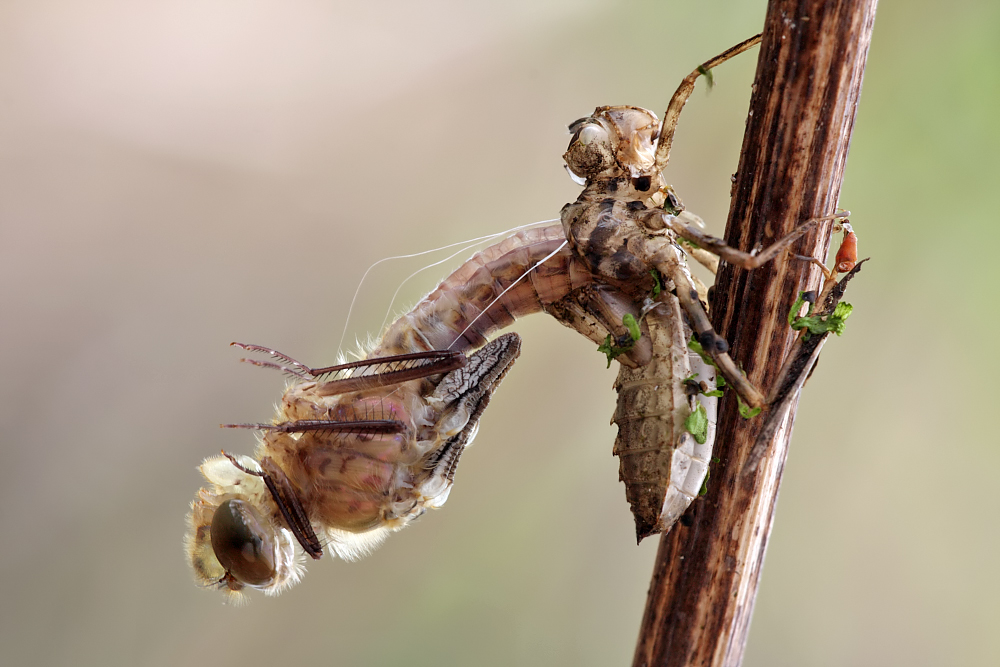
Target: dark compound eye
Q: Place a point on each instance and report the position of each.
(242, 544)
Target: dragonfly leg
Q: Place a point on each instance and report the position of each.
(817, 263)
(293, 367)
(703, 257)
(701, 288)
(683, 227)
(597, 311)
(364, 374)
(666, 258)
(287, 500)
(683, 92)
(360, 427)
(384, 371)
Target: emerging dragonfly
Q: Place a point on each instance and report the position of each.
(359, 450)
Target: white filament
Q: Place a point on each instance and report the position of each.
(467, 244)
(388, 311)
(500, 296)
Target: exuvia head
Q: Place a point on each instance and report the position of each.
(613, 142)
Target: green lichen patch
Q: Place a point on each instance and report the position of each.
(745, 411)
(614, 348)
(696, 347)
(709, 77)
(708, 473)
(657, 283)
(697, 424)
(834, 322)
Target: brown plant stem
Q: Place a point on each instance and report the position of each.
(806, 92)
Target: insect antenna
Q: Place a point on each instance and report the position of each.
(507, 289)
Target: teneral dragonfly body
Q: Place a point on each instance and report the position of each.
(360, 450)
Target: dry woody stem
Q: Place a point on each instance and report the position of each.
(806, 92)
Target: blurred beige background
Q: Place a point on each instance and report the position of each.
(177, 175)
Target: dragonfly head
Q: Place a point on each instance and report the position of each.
(235, 539)
(613, 142)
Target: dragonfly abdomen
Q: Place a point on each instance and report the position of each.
(488, 292)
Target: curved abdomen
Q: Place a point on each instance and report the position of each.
(467, 307)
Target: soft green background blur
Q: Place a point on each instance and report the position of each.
(178, 174)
